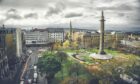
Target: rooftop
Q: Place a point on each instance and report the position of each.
(51, 30)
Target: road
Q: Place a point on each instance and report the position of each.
(30, 71)
(34, 57)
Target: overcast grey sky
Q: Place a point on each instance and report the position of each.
(83, 13)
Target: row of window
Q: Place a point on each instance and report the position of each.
(4, 72)
(6, 31)
(3, 63)
(36, 41)
(35, 35)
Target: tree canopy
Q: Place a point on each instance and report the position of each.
(61, 56)
(49, 65)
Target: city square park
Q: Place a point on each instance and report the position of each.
(76, 66)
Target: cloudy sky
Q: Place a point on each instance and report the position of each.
(58, 13)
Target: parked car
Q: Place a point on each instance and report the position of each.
(29, 81)
(35, 77)
(35, 68)
(29, 51)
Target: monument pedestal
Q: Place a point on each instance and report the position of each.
(102, 52)
(101, 56)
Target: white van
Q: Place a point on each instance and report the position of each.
(35, 67)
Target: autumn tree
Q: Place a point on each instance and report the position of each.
(67, 36)
(57, 45)
(74, 45)
(66, 44)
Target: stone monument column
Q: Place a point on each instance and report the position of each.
(71, 34)
(71, 31)
(101, 46)
(101, 54)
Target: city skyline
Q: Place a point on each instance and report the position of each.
(57, 13)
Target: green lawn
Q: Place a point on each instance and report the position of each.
(82, 72)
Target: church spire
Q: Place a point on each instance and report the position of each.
(71, 27)
(102, 17)
(71, 33)
(3, 26)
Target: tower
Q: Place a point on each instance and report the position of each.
(70, 30)
(3, 26)
(101, 46)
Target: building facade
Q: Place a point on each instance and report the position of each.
(4, 67)
(91, 40)
(13, 38)
(55, 34)
(12, 44)
(36, 37)
(111, 40)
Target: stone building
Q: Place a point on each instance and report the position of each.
(12, 43)
(4, 68)
(111, 40)
(91, 39)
